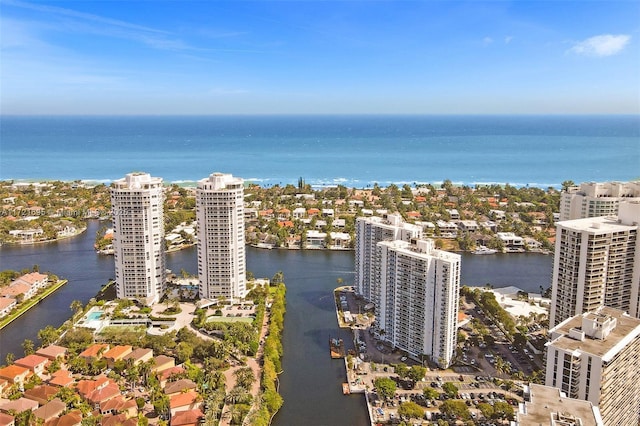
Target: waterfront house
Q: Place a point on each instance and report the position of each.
(185, 401)
(19, 405)
(15, 374)
(139, 355)
(284, 214)
(468, 225)
(511, 241)
(116, 354)
(50, 410)
(53, 352)
(36, 363)
(18, 288)
(6, 305)
(315, 239)
(34, 279)
(41, 394)
(340, 240)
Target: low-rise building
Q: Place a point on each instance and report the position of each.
(36, 363)
(548, 406)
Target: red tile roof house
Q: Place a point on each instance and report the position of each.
(50, 410)
(15, 374)
(6, 305)
(53, 352)
(41, 394)
(116, 353)
(14, 290)
(165, 375)
(36, 363)
(94, 351)
(74, 418)
(118, 420)
(62, 378)
(7, 420)
(34, 279)
(179, 386)
(187, 418)
(139, 355)
(19, 405)
(185, 401)
(119, 405)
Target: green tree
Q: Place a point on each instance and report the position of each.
(385, 387)
(28, 346)
(450, 389)
(430, 393)
(411, 410)
(486, 410)
(48, 335)
(9, 358)
(456, 408)
(401, 369)
(416, 373)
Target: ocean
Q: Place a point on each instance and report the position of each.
(355, 151)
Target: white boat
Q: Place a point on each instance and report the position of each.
(484, 250)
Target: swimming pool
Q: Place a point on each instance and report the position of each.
(94, 316)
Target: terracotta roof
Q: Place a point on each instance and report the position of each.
(41, 393)
(13, 371)
(117, 352)
(15, 289)
(6, 419)
(93, 350)
(61, 378)
(165, 374)
(118, 420)
(33, 277)
(52, 351)
(100, 395)
(73, 418)
(31, 361)
(118, 403)
(160, 362)
(184, 418)
(86, 387)
(139, 353)
(19, 405)
(183, 399)
(5, 302)
(179, 386)
(51, 409)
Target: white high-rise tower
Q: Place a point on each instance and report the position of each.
(221, 253)
(138, 237)
(597, 263)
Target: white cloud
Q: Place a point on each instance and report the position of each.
(508, 39)
(601, 45)
(487, 41)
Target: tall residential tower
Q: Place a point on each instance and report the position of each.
(596, 263)
(592, 199)
(138, 237)
(221, 253)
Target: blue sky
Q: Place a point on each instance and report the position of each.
(332, 57)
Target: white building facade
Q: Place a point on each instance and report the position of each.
(595, 357)
(369, 232)
(591, 199)
(221, 249)
(418, 306)
(138, 237)
(597, 262)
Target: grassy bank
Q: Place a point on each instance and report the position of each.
(28, 304)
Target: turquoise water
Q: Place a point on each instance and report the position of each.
(95, 316)
(356, 151)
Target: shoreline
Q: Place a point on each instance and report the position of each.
(5, 321)
(31, 243)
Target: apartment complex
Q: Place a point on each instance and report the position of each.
(369, 232)
(597, 262)
(594, 357)
(413, 286)
(418, 303)
(593, 199)
(138, 237)
(221, 250)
